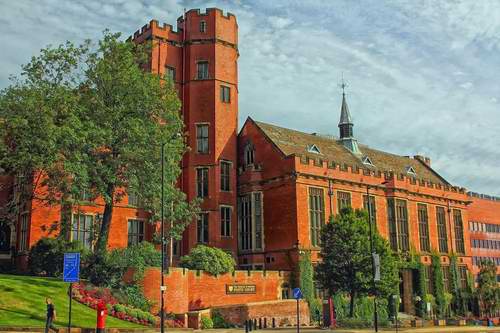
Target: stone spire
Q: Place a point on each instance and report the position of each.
(346, 125)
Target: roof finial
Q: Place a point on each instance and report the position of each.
(343, 85)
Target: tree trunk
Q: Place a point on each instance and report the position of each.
(102, 241)
(65, 218)
(351, 306)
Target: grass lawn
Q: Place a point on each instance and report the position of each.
(22, 304)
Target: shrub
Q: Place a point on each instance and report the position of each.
(210, 259)
(438, 282)
(107, 269)
(119, 308)
(134, 297)
(219, 321)
(354, 323)
(47, 255)
(206, 323)
(315, 310)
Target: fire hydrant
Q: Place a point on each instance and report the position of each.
(102, 312)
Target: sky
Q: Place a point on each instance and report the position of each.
(423, 76)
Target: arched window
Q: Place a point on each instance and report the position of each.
(249, 153)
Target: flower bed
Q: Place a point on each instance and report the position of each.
(92, 296)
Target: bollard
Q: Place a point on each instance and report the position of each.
(274, 323)
(265, 322)
(260, 323)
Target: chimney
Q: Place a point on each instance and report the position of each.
(424, 159)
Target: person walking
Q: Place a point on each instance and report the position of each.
(51, 315)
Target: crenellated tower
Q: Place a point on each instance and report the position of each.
(202, 59)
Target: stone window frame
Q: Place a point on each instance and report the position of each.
(139, 235)
(203, 26)
(442, 231)
(344, 199)
(202, 73)
(202, 182)
(225, 179)
(316, 207)
(203, 227)
(423, 227)
(24, 226)
(202, 139)
(226, 230)
(86, 242)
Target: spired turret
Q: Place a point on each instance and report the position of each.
(346, 126)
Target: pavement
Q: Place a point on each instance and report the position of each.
(447, 329)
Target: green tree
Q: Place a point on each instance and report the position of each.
(421, 290)
(305, 274)
(487, 290)
(89, 118)
(438, 283)
(210, 259)
(129, 113)
(346, 265)
(458, 293)
(41, 141)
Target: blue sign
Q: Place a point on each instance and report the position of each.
(297, 293)
(71, 267)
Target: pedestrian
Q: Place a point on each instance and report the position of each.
(51, 315)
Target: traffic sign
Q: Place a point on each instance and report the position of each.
(71, 267)
(297, 293)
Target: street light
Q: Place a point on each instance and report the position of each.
(375, 314)
(162, 287)
(375, 258)
(163, 239)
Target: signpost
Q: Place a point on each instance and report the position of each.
(71, 273)
(297, 294)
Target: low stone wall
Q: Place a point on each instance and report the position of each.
(281, 313)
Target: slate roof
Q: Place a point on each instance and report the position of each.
(345, 115)
(292, 142)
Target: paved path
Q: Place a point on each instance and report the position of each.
(461, 329)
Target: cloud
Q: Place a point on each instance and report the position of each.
(411, 66)
(466, 85)
(279, 22)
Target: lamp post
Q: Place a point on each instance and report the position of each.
(375, 313)
(162, 287)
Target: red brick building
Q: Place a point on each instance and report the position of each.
(201, 58)
(267, 191)
(291, 182)
(484, 230)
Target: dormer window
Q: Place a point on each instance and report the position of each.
(313, 149)
(367, 161)
(411, 171)
(203, 26)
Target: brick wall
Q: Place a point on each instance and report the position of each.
(195, 290)
(486, 211)
(284, 312)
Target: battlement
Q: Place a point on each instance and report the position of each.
(153, 28)
(376, 175)
(188, 28)
(196, 12)
(483, 196)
